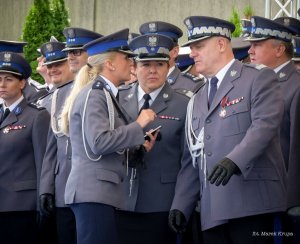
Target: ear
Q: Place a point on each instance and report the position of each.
(280, 50)
(22, 84)
(174, 52)
(108, 63)
(222, 44)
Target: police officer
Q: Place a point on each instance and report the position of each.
(75, 39)
(99, 135)
(232, 138)
(23, 136)
(175, 78)
(57, 160)
(33, 90)
(151, 181)
(271, 45)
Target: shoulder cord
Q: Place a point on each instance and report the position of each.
(110, 108)
(55, 124)
(195, 143)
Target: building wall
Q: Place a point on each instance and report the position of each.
(106, 17)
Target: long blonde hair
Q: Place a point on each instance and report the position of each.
(85, 76)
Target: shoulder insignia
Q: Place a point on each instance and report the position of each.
(36, 106)
(36, 84)
(256, 66)
(185, 92)
(192, 77)
(124, 87)
(98, 85)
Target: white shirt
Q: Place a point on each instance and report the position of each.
(153, 95)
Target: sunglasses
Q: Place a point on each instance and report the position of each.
(75, 52)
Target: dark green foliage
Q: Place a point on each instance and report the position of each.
(46, 18)
(236, 20)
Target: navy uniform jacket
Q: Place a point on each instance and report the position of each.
(57, 160)
(248, 134)
(101, 180)
(294, 159)
(154, 185)
(289, 80)
(177, 80)
(23, 136)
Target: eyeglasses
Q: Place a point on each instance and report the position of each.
(75, 52)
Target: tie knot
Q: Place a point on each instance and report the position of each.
(214, 81)
(147, 97)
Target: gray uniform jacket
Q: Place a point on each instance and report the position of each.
(31, 92)
(23, 136)
(57, 160)
(289, 80)
(177, 80)
(101, 180)
(154, 183)
(248, 134)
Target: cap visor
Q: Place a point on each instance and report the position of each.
(253, 39)
(10, 72)
(137, 59)
(194, 40)
(55, 61)
(72, 48)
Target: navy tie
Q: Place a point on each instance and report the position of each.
(213, 89)
(146, 105)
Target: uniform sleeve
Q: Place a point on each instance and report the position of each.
(294, 160)
(266, 111)
(49, 163)
(39, 140)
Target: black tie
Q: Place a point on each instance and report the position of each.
(146, 97)
(5, 114)
(213, 89)
(117, 96)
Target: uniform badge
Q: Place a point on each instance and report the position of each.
(171, 81)
(9, 128)
(188, 24)
(233, 73)
(281, 75)
(7, 57)
(71, 33)
(152, 27)
(130, 95)
(165, 95)
(49, 47)
(152, 41)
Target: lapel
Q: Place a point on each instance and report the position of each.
(130, 103)
(286, 71)
(233, 73)
(13, 115)
(160, 102)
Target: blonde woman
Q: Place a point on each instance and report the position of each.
(99, 135)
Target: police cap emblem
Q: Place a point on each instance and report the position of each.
(286, 21)
(71, 33)
(152, 41)
(7, 57)
(49, 47)
(253, 22)
(188, 24)
(152, 27)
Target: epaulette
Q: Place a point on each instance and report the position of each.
(256, 66)
(98, 85)
(36, 84)
(185, 92)
(192, 77)
(125, 87)
(36, 106)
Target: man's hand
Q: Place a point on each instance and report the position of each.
(222, 172)
(47, 204)
(177, 221)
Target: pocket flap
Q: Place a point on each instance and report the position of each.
(25, 185)
(107, 175)
(262, 174)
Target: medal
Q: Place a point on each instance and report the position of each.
(223, 104)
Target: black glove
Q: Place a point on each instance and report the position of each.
(223, 171)
(136, 156)
(294, 213)
(177, 221)
(47, 204)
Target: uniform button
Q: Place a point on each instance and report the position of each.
(70, 157)
(207, 137)
(208, 121)
(209, 154)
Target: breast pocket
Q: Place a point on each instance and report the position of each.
(236, 120)
(107, 176)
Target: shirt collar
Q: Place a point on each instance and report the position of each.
(14, 105)
(277, 69)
